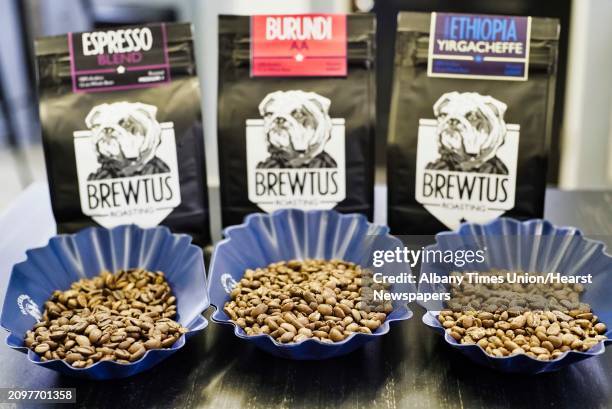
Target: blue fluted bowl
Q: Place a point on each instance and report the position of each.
(295, 234)
(68, 258)
(530, 246)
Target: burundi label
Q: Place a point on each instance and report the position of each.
(479, 46)
(124, 58)
(295, 153)
(466, 159)
(126, 165)
(298, 45)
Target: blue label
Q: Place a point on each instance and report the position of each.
(479, 46)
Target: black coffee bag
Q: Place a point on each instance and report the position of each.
(301, 141)
(122, 129)
(470, 119)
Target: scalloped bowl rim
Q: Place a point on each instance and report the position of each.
(601, 246)
(404, 310)
(199, 323)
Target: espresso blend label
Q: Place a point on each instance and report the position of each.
(479, 46)
(298, 45)
(127, 165)
(295, 153)
(123, 58)
(466, 160)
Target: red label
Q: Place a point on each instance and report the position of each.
(298, 45)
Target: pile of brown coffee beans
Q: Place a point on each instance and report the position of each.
(299, 299)
(115, 317)
(543, 335)
(541, 321)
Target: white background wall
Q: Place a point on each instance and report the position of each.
(587, 126)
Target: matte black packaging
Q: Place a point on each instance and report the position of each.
(526, 108)
(128, 153)
(350, 100)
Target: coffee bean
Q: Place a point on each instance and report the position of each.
(476, 333)
(138, 353)
(320, 334)
(352, 327)
(152, 344)
(468, 321)
(518, 322)
(286, 337)
(118, 336)
(132, 328)
(308, 296)
(82, 340)
(455, 335)
(555, 341)
(371, 324)
(483, 343)
(305, 331)
(324, 328)
(41, 348)
(168, 342)
(258, 310)
(288, 327)
(338, 312)
(122, 354)
(304, 309)
(325, 309)
(126, 344)
(554, 329)
(548, 345)
(73, 357)
(539, 350)
(79, 364)
(84, 350)
(94, 335)
(330, 301)
(335, 335)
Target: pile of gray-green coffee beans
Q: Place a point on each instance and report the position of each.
(300, 299)
(116, 317)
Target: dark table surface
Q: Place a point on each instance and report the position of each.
(411, 367)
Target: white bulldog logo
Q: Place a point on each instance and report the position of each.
(126, 137)
(470, 130)
(297, 127)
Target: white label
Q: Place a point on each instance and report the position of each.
(466, 160)
(127, 166)
(295, 153)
